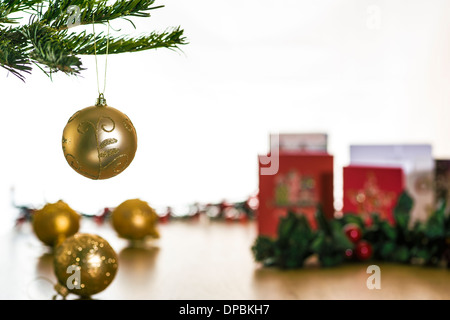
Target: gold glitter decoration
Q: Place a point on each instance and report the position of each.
(371, 198)
(99, 142)
(55, 222)
(96, 263)
(134, 219)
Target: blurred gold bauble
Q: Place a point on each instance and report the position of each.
(55, 222)
(134, 219)
(99, 142)
(84, 264)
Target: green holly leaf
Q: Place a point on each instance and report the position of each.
(418, 228)
(375, 219)
(421, 253)
(352, 218)
(401, 254)
(389, 232)
(293, 243)
(318, 243)
(402, 210)
(263, 248)
(386, 250)
(285, 227)
(340, 240)
(322, 221)
(332, 260)
(330, 241)
(435, 227)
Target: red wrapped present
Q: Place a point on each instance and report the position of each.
(418, 166)
(302, 181)
(369, 189)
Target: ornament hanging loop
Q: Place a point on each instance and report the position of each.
(101, 101)
(106, 58)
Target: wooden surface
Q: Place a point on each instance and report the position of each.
(208, 260)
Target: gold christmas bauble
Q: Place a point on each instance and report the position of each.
(55, 222)
(134, 219)
(99, 142)
(84, 264)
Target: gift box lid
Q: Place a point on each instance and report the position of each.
(294, 142)
(410, 157)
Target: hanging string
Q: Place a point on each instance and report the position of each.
(101, 93)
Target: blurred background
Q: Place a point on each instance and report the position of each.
(363, 71)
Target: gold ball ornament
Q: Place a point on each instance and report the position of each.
(134, 219)
(99, 142)
(84, 264)
(55, 222)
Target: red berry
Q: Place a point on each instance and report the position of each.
(353, 232)
(349, 254)
(363, 250)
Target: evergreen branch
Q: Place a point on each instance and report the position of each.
(426, 243)
(292, 246)
(56, 15)
(46, 41)
(84, 44)
(11, 6)
(49, 49)
(14, 62)
(13, 53)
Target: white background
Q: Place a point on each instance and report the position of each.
(364, 71)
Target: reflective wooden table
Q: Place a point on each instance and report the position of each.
(205, 260)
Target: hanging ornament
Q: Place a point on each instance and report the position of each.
(55, 222)
(363, 250)
(134, 220)
(99, 142)
(353, 232)
(84, 264)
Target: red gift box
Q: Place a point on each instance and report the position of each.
(369, 189)
(303, 181)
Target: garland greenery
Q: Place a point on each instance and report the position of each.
(424, 243)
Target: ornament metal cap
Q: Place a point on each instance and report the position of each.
(61, 290)
(101, 101)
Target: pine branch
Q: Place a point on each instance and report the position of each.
(96, 11)
(84, 44)
(426, 243)
(46, 41)
(50, 49)
(13, 53)
(12, 6)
